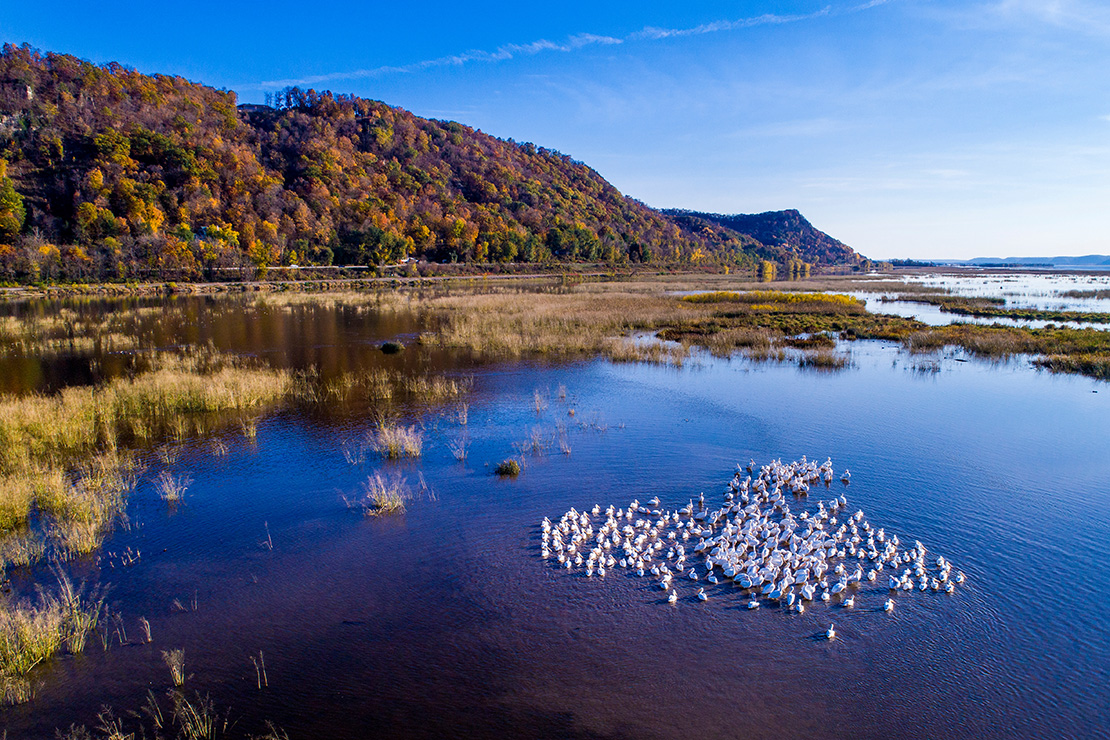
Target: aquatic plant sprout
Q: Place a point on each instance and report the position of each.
(752, 546)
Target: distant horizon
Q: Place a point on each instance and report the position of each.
(928, 130)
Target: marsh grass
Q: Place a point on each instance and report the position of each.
(63, 456)
(169, 454)
(382, 496)
(1101, 293)
(460, 448)
(1095, 366)
(250, 429)
(171, 488)
(32, 631)
(20, 547)
(198, 719)
(811, 341)
(175, 661)
(623, 349)
(353, 452)
(177, 715)
(990, 307)
(379, 384)
(727, 341)
(538, 441)
(67, 331)
(260, 670)
(777, 300)
(395, 441)
(823, 360)
(15, 690)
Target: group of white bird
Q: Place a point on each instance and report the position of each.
(753, 540)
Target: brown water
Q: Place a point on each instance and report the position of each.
(445, 622)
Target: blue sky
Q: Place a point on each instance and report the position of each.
(906, 128)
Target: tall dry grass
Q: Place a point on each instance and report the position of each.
(395, 441)
(63, 455)
(31, 631)
(382, 496)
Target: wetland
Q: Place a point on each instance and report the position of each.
(322, 528)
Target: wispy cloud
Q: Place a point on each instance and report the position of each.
(570, 44)
(500, 54)
(1080, 16)
(652, 33)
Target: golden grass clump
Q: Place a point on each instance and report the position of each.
(17, 492)
(395, 441)
(823, 359)
(577, 322)
(33, 631)
(727, 341)
(20, 547)
(380, 384)
(171, 488)
(777, 300)
(623, 349)
(175, 661)
(60, 454)
(381, 497)
(1095, 366)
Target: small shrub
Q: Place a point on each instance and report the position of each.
(508, 468)
(392, 348)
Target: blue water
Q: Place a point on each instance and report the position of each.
(445, 622)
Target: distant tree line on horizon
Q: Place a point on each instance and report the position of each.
(106, 173)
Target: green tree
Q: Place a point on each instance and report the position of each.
(766, 271)
(12, 212)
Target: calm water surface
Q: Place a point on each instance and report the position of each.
(445, 622)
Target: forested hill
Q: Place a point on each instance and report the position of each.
(788, 231)
(106, 172)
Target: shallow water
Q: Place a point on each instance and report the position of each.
(1025, 290)
(932, 315)
(1019, 290)
(445, 622)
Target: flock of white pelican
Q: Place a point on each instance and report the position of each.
(754, 541)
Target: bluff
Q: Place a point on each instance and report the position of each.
(107, 172)
(783, 234)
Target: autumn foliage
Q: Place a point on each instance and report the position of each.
(115, 174)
